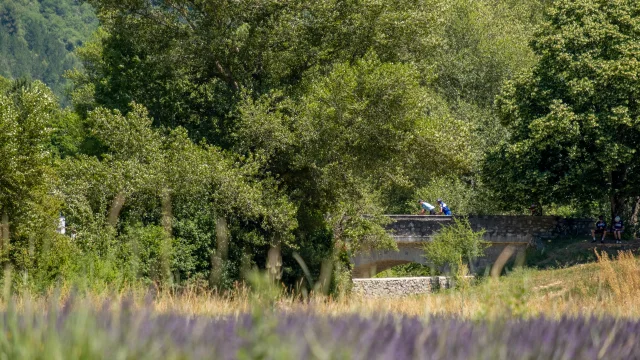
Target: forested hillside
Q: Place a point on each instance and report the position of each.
(207, 138)
(38, 37)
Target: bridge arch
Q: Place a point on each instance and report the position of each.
(370, 263)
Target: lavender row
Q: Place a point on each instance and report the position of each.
(139, 334)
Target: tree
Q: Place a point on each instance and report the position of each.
(147, 180)
(27, 113)
(484, 43)
(574, 117)
(357, 134)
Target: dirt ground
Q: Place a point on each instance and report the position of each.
(573, 251)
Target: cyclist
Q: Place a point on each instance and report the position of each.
(427, 207)
(444, 209)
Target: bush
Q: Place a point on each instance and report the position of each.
(455, 243)
(148, 252)
(409, 270)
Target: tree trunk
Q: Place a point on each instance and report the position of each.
(116, 206)
(618, 204)
(4, 226)
(635, 210)
(219, 256)
(274, 262)
(618, 199)
(540, 209)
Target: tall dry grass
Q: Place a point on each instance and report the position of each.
(609, 287)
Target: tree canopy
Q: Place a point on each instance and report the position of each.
(573, 118)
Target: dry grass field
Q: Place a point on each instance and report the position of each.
(607, 287)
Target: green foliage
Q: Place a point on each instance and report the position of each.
(462, 197)
(351, 140)
(260, 46)
(408, 270)
(26, 118)
(484, 43)
(147, 250)
(573, 117)
(154, 178)
(347, 142)
(455, 243)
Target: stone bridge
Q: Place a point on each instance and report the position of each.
(412, 231)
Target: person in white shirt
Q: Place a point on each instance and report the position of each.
(427, 207)
(61, 225)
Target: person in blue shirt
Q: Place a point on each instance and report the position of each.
(618, 228)
(601, 228)
(427, 207)
(444, 209)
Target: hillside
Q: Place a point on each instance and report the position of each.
(38, 37)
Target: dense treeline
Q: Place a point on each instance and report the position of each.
(209, 137)
(38, 38)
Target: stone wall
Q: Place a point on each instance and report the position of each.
(416, 228)
(397, 287)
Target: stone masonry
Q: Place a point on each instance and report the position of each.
(397, 287)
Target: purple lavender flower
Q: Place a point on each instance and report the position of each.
(307, 335)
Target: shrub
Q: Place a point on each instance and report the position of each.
(455, 243)
(148, 252)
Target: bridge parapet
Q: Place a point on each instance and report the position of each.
(416, 228)
(498, 228)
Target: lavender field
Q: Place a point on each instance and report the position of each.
(75, 332)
